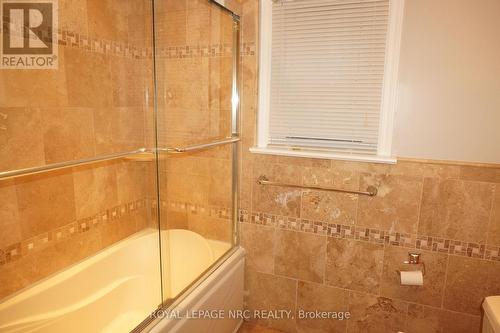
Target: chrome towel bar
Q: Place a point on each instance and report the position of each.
(200, 146)
(370, 191)
(68, 164)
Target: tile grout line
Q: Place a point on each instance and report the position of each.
(492, 208)
(445, 281)
(420, 203)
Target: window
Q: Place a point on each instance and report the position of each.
(328, 72)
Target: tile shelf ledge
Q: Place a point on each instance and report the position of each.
(323, 155)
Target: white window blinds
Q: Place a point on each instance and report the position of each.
(327, 73)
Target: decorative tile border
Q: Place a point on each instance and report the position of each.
(34, 244)
(212, 211)
(96, 45)
(422, 242)
(195, 51)
(103, 46)
(376, 236)
(203, 51)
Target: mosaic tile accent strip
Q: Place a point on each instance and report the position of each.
(264, 219)
(212, 211)
(422, 242)
(39, 242)
(195, 51)
(84, 42)
(203, 51)
(77, 40)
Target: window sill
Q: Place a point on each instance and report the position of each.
(323, 155)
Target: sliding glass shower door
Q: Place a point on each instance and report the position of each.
(196, 81)
(112, 206)
(79, 245)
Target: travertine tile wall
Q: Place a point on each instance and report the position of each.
(194, 76)
(194, 71)
(326, 251)
(94, 104)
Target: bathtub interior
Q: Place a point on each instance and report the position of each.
(116, 283)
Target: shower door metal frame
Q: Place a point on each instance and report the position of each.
(233, 140)
(235, 127)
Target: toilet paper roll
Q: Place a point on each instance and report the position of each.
(412, 278)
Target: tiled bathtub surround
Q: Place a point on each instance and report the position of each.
(95, 103)
(212, 222)
(194, 67)
(194, 63)
(195, 193)
(54, 219)
(203, 50)
(39, 242)
(95, 45)
(194, 45)
(213, 211)
(83, 41)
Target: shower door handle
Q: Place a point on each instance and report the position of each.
(200, 146)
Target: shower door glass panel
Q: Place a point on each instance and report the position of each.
(194, 78)
(79, 245)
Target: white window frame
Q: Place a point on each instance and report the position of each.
(389, 91)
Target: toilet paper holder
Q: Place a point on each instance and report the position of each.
(413, 259)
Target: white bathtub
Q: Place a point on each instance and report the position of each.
(114, 290)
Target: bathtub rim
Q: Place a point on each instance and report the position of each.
(224, 263)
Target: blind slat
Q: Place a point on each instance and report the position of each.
(333, 3)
